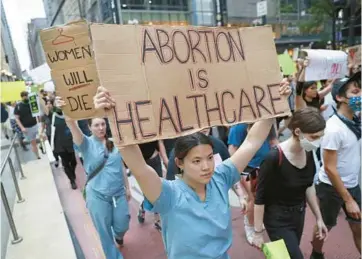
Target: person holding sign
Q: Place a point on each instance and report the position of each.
(194, 210)
(285, 184)
(107, 187)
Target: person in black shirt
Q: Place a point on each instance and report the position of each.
(285, 184)
(152, 153)
(310, 94)
(27, 123)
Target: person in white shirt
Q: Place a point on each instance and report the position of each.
(341, 155)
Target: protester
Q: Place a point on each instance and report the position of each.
(219, 149)
(63, 146)
(47, 119)
(341, 155)
(195, 212)
(107, 187)
(27, 123)
(285, 184)
(153, 153)
(4, 118)
(237, 136)
(14, 126)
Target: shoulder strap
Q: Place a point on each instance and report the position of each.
(98, 169)
(280, 155)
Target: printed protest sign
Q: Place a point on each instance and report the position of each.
(325, 64)
(172, 81)
(70, 58)
(34, 104)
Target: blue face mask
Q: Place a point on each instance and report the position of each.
(355, 103)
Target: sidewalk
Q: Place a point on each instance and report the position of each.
(40, 219)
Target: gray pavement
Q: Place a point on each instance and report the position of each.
(8, 183)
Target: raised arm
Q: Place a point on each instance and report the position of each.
(326, 90)
(145, 175)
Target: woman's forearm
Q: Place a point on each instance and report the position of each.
(258, 217)
(312, 202)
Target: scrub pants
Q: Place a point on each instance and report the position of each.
(106, 217)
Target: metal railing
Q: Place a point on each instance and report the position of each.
(8, 160)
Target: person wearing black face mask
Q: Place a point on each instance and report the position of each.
(26, 122)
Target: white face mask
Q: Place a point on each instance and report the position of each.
(309, 145)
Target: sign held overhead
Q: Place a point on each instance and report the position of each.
(173, 81)
(73, 70)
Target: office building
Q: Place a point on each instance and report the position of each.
(37, 57)
(12, 68)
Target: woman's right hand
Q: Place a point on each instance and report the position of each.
(103, 100)
(59, 102)
(258, 239)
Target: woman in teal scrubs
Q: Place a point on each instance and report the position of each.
(194, 210)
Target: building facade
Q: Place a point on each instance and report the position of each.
(11, 70)
(37, 56)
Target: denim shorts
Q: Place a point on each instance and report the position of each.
(330, 203)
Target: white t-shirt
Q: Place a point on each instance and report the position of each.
(11, 112)
(340, 138)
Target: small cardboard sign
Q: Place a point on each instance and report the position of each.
(69, 55)
(173, 81)
(34, 104)
(325, 64)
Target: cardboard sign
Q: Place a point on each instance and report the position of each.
(69, 55)
(34, 104)
(325, 64)
(354, 55)
(173, 81)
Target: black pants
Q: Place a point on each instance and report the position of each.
(69, 163)
(284, 222)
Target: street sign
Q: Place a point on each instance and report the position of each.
(261, 8)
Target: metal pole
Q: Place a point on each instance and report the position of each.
(12, 169)
(19, 163)
(352, 21)
(17, 238)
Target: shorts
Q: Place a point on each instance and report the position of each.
(31, 133)
(331, 203)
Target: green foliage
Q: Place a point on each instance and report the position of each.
(287, 8)
(321, 11)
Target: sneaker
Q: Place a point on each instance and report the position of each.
(316, 255)
(56, 164)
(74, 185)
(249, 230)
(157, 225)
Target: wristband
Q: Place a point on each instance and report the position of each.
(259, 232)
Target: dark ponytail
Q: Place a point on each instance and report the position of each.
(109, 143)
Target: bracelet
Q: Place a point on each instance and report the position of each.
(259, 232)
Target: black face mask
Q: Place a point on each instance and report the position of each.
(26, 100)
(58, 111)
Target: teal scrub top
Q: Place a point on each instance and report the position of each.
(191, 228)
(110, 180)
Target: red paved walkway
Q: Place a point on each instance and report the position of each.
(144, 242)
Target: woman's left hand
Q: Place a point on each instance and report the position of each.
(284, 89)
(103, 99)
(321, 230)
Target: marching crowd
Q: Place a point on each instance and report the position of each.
(318, 166)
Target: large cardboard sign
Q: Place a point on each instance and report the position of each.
(172, 81)
(69, 55)
(325, 64)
